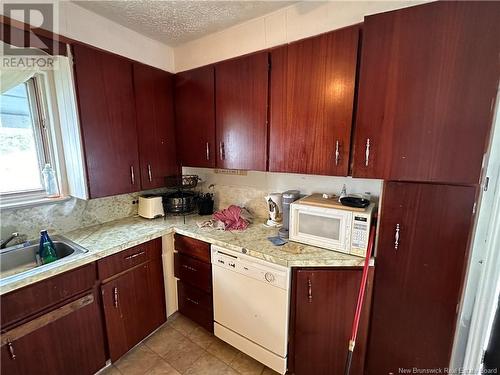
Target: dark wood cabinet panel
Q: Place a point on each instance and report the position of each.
(193, 272)
(71, 344)
(192, 247)
(196, 305)
(105, 91)
(195, 117)
(134, 306)
(241, 90)
(311, 104)
(154, 102)
(429, 76)
(323, 306)
(418, 282)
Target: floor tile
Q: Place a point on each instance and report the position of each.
(110, 370)
(137, 361)
(246, 365)
(164, 340)
(183, 355)
(160, 367)
(207, 364)
(201, 337)
(223, 351)
(183, 324)
(268, 371)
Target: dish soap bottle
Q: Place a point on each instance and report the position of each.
(47, 250)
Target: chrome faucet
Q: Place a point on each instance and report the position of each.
(4, 243)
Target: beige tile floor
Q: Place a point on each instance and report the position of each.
(182, 347)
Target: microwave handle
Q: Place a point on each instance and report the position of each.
(396, 237)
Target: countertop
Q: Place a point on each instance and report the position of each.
(112, 237)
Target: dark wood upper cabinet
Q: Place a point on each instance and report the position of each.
(155, 125)
(429, 76)
(311, 104)
(418, 278)
(105, 91)
(322, 311)
(241, 90)
(195, 117)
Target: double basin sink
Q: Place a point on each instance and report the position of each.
(20, 260)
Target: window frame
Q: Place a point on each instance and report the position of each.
(39, 98)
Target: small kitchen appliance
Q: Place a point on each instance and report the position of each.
(150, 206)
(274, 209)
(289, 197)
(324, 222)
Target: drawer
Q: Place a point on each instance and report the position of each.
(196, 305)
(193, 272)
(37, 297)
(129, 258)
(192, 247)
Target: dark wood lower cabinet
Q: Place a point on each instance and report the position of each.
(322, 311)
(68, 344)
(134, 306)
(419, 275)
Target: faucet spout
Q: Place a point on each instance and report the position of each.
(4, 243)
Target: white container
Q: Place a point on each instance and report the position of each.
(151, 206)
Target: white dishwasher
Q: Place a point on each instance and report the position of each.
(251, 304)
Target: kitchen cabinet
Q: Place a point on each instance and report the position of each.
(241, 91)
(311, 103)
(428, 82)
(133, 297)
(423, 240)
(154, 105)
(60, 332)
(195, 117)
(105, 91)
(322, 311)
(193, 269)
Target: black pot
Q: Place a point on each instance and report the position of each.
(179, 202)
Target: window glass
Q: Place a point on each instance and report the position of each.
(21, 150)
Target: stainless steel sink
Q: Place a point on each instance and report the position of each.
(19, 259)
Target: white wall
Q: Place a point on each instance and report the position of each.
(82, 25)
(298, 21)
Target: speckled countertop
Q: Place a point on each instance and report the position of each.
(109, 238)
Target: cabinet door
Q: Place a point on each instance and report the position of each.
(105, 91)
(311, 108)
(325, 302)
(155, 125)
(429, 76)
(134, 306)
(195, 117)
(68, 344)
(418, 276)
(241, 112)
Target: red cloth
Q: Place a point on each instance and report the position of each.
(231, 218)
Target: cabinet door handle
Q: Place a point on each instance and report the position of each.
(192, 301)
(309, 290)
(396, 237)
(208, 151)
(189, 268)
(132, 175)
(337, 152)
(134, 255)
(115, 297)
(222, 152)
(150, 176)
(367, 152)
(11, 350)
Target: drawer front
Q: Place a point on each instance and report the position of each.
(37, 297)
(192, 247)
(193, 272)
(129, 258)
(196, 305)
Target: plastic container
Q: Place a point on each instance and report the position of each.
(50, 181)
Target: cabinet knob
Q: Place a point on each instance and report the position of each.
(222, 152)
(367, 152)
(396, 237)
(208, 151)
(337, 152)
(132, 174)
(11, 350)
(115, 297)
(309, 290)
(150, 175)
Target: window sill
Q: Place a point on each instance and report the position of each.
(31, 203)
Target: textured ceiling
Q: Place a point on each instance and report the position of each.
(176, 22)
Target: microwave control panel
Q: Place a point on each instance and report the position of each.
(360, 231)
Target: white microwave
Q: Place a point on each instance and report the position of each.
(323, 222)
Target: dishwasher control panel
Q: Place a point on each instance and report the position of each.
(269, 273)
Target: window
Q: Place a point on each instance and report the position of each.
(25, 141)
